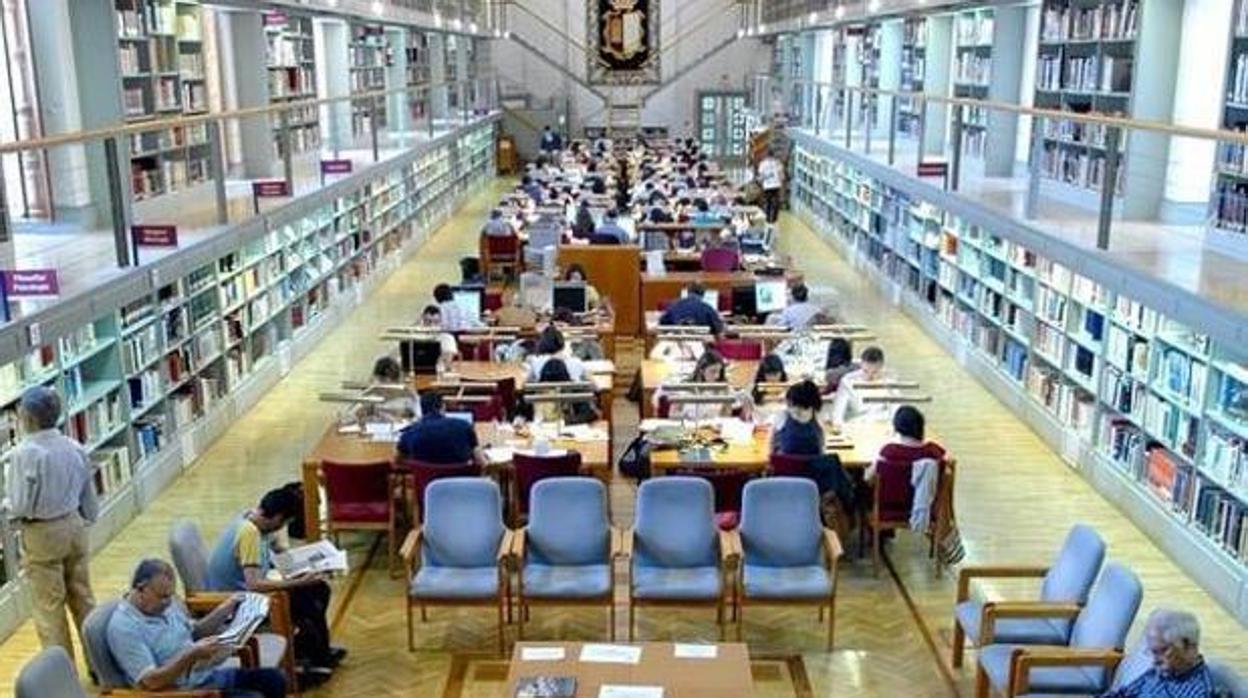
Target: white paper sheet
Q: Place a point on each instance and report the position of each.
(612, 691)
(541, 654)
(498, 455)
(610, 654)
(688, 651)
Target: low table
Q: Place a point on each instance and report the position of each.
(724, 676)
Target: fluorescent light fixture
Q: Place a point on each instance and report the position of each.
(740, 33)
(762, 29)
(840, 11)
(472, 27)
(814, 17)
(874, 6)
(378, 7)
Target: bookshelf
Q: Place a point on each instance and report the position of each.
(1150, 407)
(868, 70)
(913, 68)
(291, 74)
(154, 367)
(419, 72)
(160, 47)
(1229, 202)
(370, 55)
(972, 72)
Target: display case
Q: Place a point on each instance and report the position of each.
(1145, 401)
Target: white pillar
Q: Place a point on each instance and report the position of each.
(936, 82)
(244, 84)
(1005, 85)
(891, 39)
(333, 79)
(398, 115)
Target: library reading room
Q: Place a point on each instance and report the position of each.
(624, 348)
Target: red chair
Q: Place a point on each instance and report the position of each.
(493, 299)
(421, 473)
(359, 498)
(663, 409)
(665, 304)
(740, 349)
(893, 498)
(720, 259)
(727, 485)
(502, 253)
(785, 465)
(531, 469)
(725, 301)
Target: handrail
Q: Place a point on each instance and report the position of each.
(193, 120)
(1239, 137)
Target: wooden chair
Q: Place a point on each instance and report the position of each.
(502, 254)
(740, 349)
(718, 259)
(893, 499)
(360, 498)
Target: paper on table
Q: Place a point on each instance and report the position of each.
(652, 424)
(349, 429)
(610, 691)
(599, 366)
(498, 454)
(584, 432)
(689, 651)
(541, 654)
(736, 431)
(610, 654)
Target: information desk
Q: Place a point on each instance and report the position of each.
(865, 438)
(655, 372)
(725, 675)
(358, 449)
(657, 288)
(615, 270)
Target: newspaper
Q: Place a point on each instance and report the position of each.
(247, 617)
(320, 556)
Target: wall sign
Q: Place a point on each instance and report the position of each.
(31, 283)
(623, 42)
(155, 235)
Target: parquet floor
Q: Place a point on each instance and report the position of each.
(1016, 500)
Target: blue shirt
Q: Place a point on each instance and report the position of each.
(1196, 682)
(140, 643)
(231, 555)
(795, 438)
(614, 230)
(535, 192)
(439, 439)
(692, 311)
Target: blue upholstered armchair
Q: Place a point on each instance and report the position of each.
(679, 556)
(1067, 581)
(565, 554)
(50, 673)
(787, 556)
(459, 556)
(1098, 634)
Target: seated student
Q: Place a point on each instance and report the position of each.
(799, 433)
(908, 444)
(555, 370)
(710, 368)
(454, 319)
(158, 646)
(702, 214)
(576, 272)
(551, 345)
(242, 560)
(770, 370)
(658, 212)
(496, 227)
(401, 405)
(431, 316)
(799, 314)
(693, 310)
(437, 438)
(532, 189)
(1178, 669)
(848, 403)
(839, 362)
(610, 228)
(583, 224)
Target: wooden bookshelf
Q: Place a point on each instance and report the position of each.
(291, 74)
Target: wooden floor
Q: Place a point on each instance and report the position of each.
(1015, 497)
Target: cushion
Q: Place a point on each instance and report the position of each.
(1019, 631)
(566, 581)
(272, 649)
(433, 582)
(356, 512)
(806, 582)
(676, 582)
(995, 660)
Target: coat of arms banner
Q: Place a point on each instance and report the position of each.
(623, 42)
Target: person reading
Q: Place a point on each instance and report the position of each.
(439, 439)
(693, 310)
(402, 403)
(849, 404)
(799, 314)
(710, 368)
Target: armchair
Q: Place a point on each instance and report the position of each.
(787, 557)
(111, 678)
(459, 557)
(50, 673)
(1067, 581)
(1097, 637)
(273, 648)
(678, 557)
(565, 554)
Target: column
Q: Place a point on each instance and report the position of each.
(398, 116)
(936, 81)
(892, 33)
(437, 74)
(330, 40)
(1005, 84)
(245, 85)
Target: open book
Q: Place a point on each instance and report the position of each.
(320, 556)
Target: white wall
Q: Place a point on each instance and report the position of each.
(1198, 98)
(688, 28)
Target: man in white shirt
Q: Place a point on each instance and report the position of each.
(771, 178)
(496, 226)
(454, 318)
(798, 315)
(848, 404)
(52, 498)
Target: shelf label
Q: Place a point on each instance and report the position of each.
(155, 235)
(262, 188)
(274, 19)
(335, 167)
(31, 283)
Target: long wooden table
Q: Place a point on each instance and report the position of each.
(655, 372)
(657, 288)
(356, 449)
(727, 675)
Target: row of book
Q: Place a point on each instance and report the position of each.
(1128, 351)
(1078, 168)
(975, 29)
(292, 82)
(1226, 460)
(97, 419)
(972, 68)
(140, 348)
(1051, 305)
(112, 470)
(1182, 375)
(145, 388)
(1084, 73)
(287, 51)
(1112, 20)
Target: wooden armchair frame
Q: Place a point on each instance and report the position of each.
(518, 552)
(280, 623)
(832, 552)
(410, 553)
(1024, 659)
(998, 610)
(389, 527)
(729, 556)
(971, 573)
(941, 518)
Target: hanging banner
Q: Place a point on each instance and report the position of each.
(623, 42)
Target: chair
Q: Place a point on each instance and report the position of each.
(720, 259)
(787, 465)
(493, 299)
(727, 486)
(893, 499)
(502, 253)
(565, 553)
(787, 556)
(274, 648)
(602, 239)
(1068, 580)
(530, 469)
(423, 474)
(359, 497)
(458, 557)
(678, 557)
(740, 349)
(1130, 666)
(1099, 630)
(111, 679)
(50, 673)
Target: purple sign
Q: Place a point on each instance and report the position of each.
(155, 235)
(335, 167)
(31, 283)
(272, 19)
(270, 187)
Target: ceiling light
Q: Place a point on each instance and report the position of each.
(762, 29)
(840, 11)
(814, 17)
(874, 6)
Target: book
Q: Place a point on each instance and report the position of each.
(546, 687)
(320, 556)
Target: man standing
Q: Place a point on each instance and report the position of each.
(771, 177)
(52, 498)
(551, 142)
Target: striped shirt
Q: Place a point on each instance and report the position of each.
(1196, 682)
